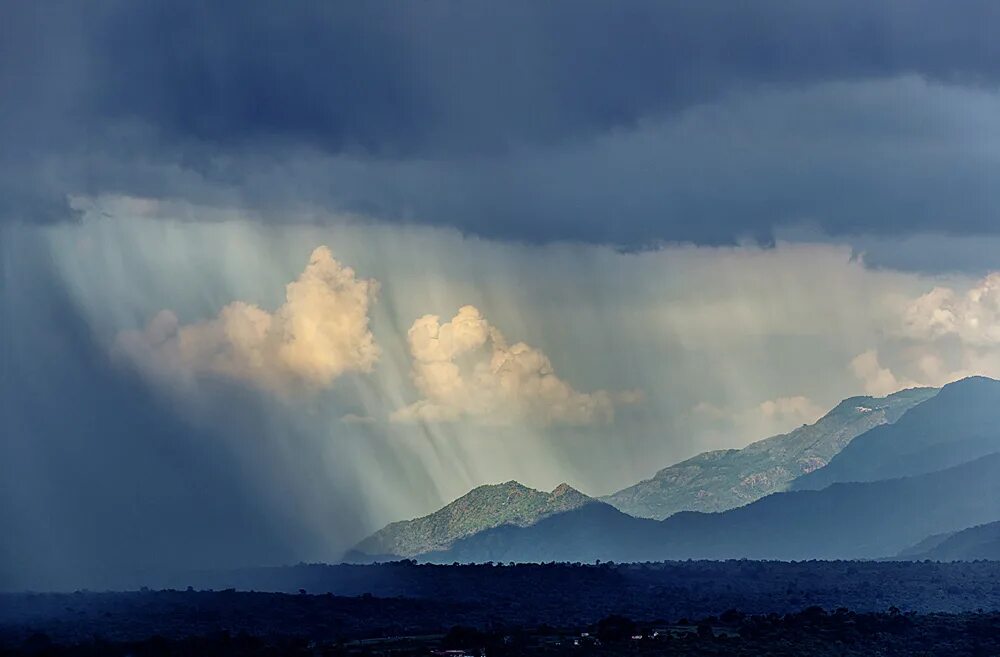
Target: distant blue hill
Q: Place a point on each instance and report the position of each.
(972, 544)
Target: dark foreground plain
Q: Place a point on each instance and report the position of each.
(813, 631)
(697, 608)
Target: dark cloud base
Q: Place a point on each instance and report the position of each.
(226, 100)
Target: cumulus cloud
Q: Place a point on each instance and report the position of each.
(320, 333)
(940, 336)
(973, 316)
(876, 379)
(791, 410)
(465, 369)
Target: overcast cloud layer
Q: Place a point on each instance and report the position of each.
(533, 121)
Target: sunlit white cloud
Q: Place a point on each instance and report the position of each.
(791, 410)
(876, 379)
(946, 333)
(972, 316)
(466, 369)
(320, 333)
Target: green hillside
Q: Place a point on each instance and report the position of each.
(481, 508)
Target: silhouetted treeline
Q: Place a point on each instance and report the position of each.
(571, 593)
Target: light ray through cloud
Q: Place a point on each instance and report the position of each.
(738, 328)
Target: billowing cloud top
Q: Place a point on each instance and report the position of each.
(318, 334)
(466, 370)
(972, 317)
(942, 335)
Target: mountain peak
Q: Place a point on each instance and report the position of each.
(563, 489)
(974, 378)
(564, 497)
(969, 383)
(512, 485)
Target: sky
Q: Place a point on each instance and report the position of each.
(271, 278)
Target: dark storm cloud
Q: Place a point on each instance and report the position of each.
(215, 100)
(426, 79)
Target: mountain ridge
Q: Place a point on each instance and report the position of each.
(482, 508)
(877, 518)
(957, 425)
(865, 520)
(724, 479)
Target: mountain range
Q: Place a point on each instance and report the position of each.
(725, 479)
(845, 521)
(960, 423)
(925, 472)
